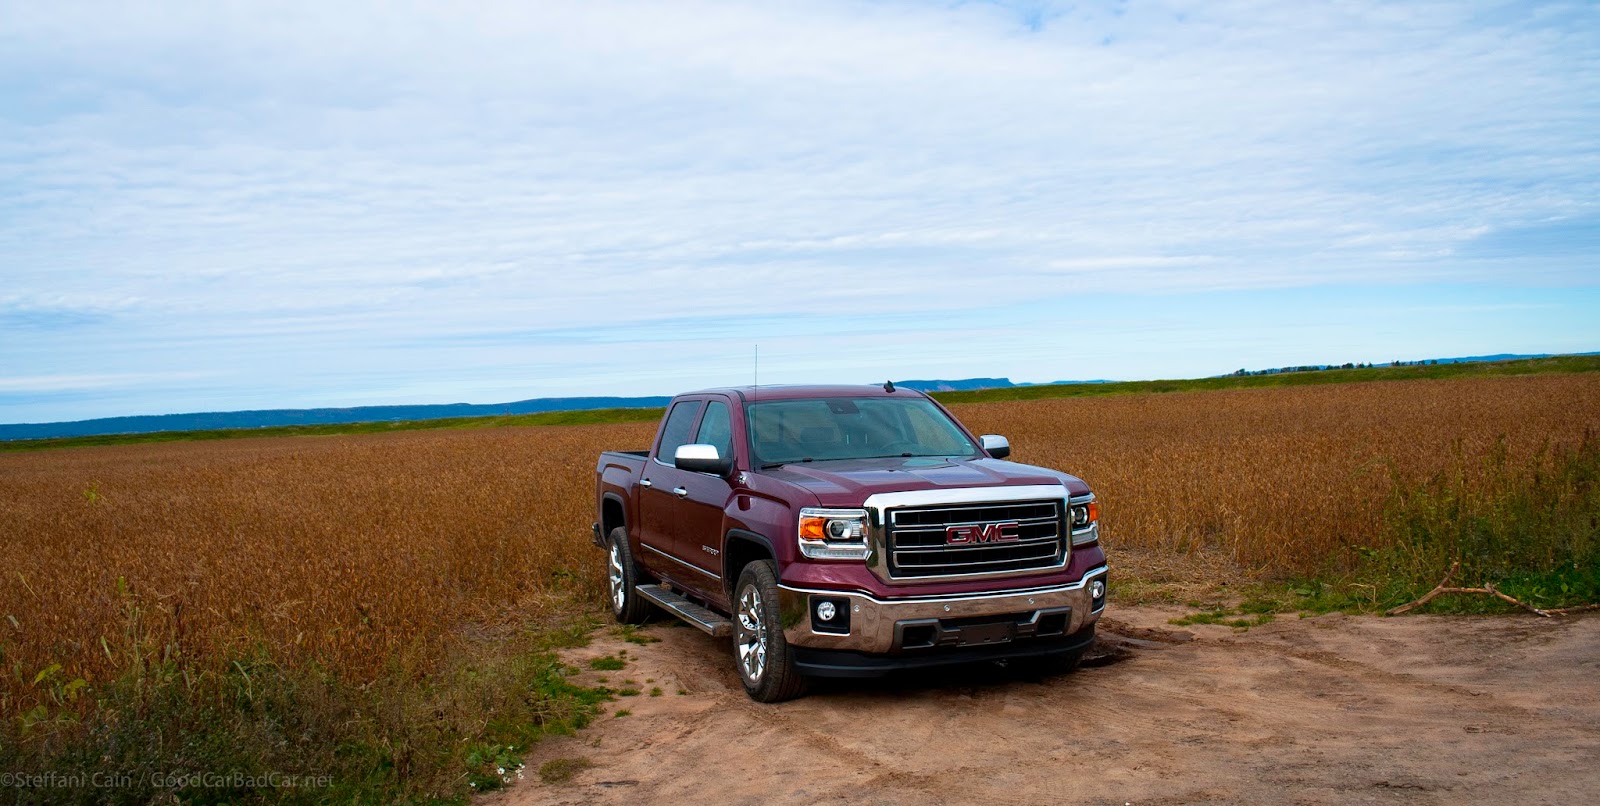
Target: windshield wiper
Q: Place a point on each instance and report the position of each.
(776, 465)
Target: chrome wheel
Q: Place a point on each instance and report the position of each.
(751, 639)
(619, 589)
(761, 650)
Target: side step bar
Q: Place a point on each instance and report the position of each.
(711, 623)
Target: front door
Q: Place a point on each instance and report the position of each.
(659, 507)
(697, 536)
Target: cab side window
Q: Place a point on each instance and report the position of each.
(716, 429)
(677, 428)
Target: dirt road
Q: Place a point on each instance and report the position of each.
(1331, 709)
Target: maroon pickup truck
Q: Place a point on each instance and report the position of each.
(846, 531)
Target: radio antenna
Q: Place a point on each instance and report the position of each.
(755, 381)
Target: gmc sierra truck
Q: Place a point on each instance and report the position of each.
(847, 531)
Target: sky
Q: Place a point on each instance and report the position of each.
(219, 206)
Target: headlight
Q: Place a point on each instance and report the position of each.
(1085, 521)
(833, 534)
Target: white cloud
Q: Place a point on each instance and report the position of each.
(76, 383)
(294, 185)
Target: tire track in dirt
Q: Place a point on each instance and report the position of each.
(1292, 644)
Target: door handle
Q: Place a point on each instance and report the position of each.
(645, 483)
(680, 492)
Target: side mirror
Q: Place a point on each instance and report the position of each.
(997, 446)
(702, 459)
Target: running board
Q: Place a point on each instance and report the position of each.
(711, 623)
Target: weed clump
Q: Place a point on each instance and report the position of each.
(607, 663)
(561, 770)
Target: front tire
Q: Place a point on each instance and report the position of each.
(761, 654)
(627, 606)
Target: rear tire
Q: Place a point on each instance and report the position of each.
(761, 653)
(627, 606)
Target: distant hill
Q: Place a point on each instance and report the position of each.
(266, 418)
(966, 385)
(1469, 359)
(1496, 357)
(974, 384)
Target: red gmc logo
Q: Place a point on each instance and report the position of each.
(968, 534)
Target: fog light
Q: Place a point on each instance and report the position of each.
(830, 615)
(1097, 589)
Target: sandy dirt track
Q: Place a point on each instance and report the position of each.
(1331, 709)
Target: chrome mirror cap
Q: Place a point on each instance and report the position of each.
(699, 458)
(996, 446)
(695, 451)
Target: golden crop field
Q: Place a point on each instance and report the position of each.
(362, 552)
(1281, 478)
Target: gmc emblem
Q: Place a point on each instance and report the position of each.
(968, 534)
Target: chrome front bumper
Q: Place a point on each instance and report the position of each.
(876, 625)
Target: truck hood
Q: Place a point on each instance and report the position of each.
(847, 483)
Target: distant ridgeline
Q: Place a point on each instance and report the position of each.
(213, 420)
(1424, 362)
(974, 384)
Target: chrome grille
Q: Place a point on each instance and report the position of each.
(917, 543)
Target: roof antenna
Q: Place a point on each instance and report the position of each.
(755, 380)
(888, 386)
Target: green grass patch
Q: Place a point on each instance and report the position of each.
(1226, 617)
(1569, 586)
(254, 729)
(631, 634)
(607, 663)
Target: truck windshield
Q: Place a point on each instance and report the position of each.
(820, 429)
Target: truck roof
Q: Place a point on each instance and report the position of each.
(804, 391)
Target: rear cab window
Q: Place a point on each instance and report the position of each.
(675, 432)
